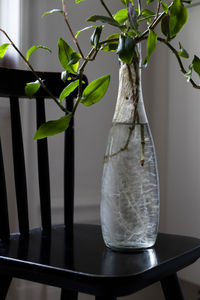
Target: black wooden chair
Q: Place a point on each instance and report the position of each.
(71, 256)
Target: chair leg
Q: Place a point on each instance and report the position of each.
(171, 288)
(5, 282)
(105, 298)
(65, 295)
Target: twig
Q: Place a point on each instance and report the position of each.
(71, 32)
(106, 8)
(183, 70)
(33, 71)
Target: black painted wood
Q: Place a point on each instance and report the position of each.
(69, 171)
(43, 169)
(5, 282)
(171, 288)
(19, 166)
(4, 222)
(65, 295)
(105, 298)
(95, 269)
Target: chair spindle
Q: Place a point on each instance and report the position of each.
(19, 166)
(43, 169)
(4, 221)
(69, 170)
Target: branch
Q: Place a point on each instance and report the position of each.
(106, 8)
(153, 24)
(183, 70)
(71, 32)
(34, 72)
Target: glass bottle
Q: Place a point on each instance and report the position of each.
(130, 201)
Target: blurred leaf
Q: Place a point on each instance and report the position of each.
(104, 19)
(64, 76)
(165, 26)
(34, 48)
(77, 1)
(112, 46)
(165, 7)
(132, 15)
(121, 16)
(64, 54)
(147, 13)
(3, 49)
(86, 28)
(31, 88)
(54, 127)
(151, 45)
(183, 53)
(178, 17)
(95, 91)
(188, 75)
(74, 58)
(125, 2)
(196, 64)
(96, 36)
(53, 11)
(68, 90)
(126, 49)
(149, 1)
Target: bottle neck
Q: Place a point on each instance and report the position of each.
(130, 106)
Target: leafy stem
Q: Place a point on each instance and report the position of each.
(183, 70)
(154, 23)
(92, 52)
(34, 72)
(71, 31)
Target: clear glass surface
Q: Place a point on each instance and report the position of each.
(130, 192)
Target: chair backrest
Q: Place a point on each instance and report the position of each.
(12, 84)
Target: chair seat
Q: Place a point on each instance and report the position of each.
(79, 260)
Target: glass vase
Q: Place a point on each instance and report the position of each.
(130, 201)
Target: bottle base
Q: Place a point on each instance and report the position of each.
(131, 248)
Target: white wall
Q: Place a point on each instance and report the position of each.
(183, 202)
(165, 92)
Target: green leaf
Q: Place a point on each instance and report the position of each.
(104, 19)
(121, 16)
(151, 44)
(96, 36)
(165, 7)
(126, 49)
(74, 58)
(165, 26)
(178, 17)
(86, 28)
(147, 13)
(95, 90)
(77, 1)
(31, 88)
(68, 90)
(51, 128)
(64, 54)
(125, 2)
(149, 1)
(53, 11)
(3, 49)
(196, 64)
(34, 48)
(112, 46)
(183, 53)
